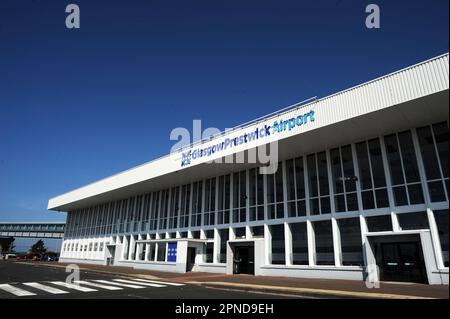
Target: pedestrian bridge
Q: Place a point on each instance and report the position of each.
(32, 229)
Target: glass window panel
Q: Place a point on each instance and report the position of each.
(393, 156)
(290, 179)
(223, 233)
(382, 198)
(257, 231)
(415, 194)
(338, 184)
(352, 202)
(312, 175)
(323, 234)
(299, 244)
(376, 161)
(364, 166)
(323, 173)
(379, 223)
(441, 217)
(278, 254)
(436, 190)
(367, 199)
(300, 178)
(301, 208)
(428, 153)
(279, 183)
(239, 232)
(351, 242)
(209, 252)
(441, 136)
(340, 203)
(325, 205)
(314, 203)
(409, 157)
(400, 196)
(413, 221)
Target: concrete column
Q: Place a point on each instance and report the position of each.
(311, 243)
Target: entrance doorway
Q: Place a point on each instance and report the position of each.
(112, 252)
(400, 261)
(190, 262)
(244, 260)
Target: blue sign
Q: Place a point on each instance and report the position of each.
(172, 252)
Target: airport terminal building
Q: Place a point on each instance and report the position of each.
(361, 179)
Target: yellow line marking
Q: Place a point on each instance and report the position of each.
(341, 293)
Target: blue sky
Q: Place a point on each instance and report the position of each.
(80, 105)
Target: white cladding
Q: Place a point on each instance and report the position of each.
(411, 83)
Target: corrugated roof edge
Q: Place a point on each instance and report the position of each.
(279, 112)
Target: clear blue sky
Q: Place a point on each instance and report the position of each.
(80, 105)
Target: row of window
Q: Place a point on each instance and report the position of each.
(75, 247)
(317, 183)
(349, 232)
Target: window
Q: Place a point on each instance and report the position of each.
(209, 233)
(161, 252)
(209, 252)
(371, 175)
(210, 201)
(318, 184)
(151, 252)
(174, 207)
(275, 195)
(256, 195)
(223, 214)
(278, 255)
(196, 234)
(154, 211)
(379, 223)
(239, 197)
(351, 242)
(257, 231)
(185, 204)
(146, 213)
(405, 177)
(295, 181)
(441, 217)
(240, 232)
(434, 150)
(223, 235)
(412, 221)
(323, 233)
(299, 244)
(196, 218)
(344, 183)
(164, 211)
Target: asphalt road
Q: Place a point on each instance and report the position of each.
(19, 280)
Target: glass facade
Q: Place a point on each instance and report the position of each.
(323, 197)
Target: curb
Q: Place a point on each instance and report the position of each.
(324, 293)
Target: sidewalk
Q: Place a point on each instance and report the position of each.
(322, 288)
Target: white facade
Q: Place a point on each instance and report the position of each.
(359, 159)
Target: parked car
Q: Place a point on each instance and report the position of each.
(52, 258)
(21, 257)
(10, 256)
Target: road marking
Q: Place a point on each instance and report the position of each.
(92, 284)
(140, 283)
(118, 284)
(48, 289)
(158, 282)
(72, 286)
(16, 291)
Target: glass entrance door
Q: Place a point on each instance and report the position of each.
(244, 260)
(402, 261)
